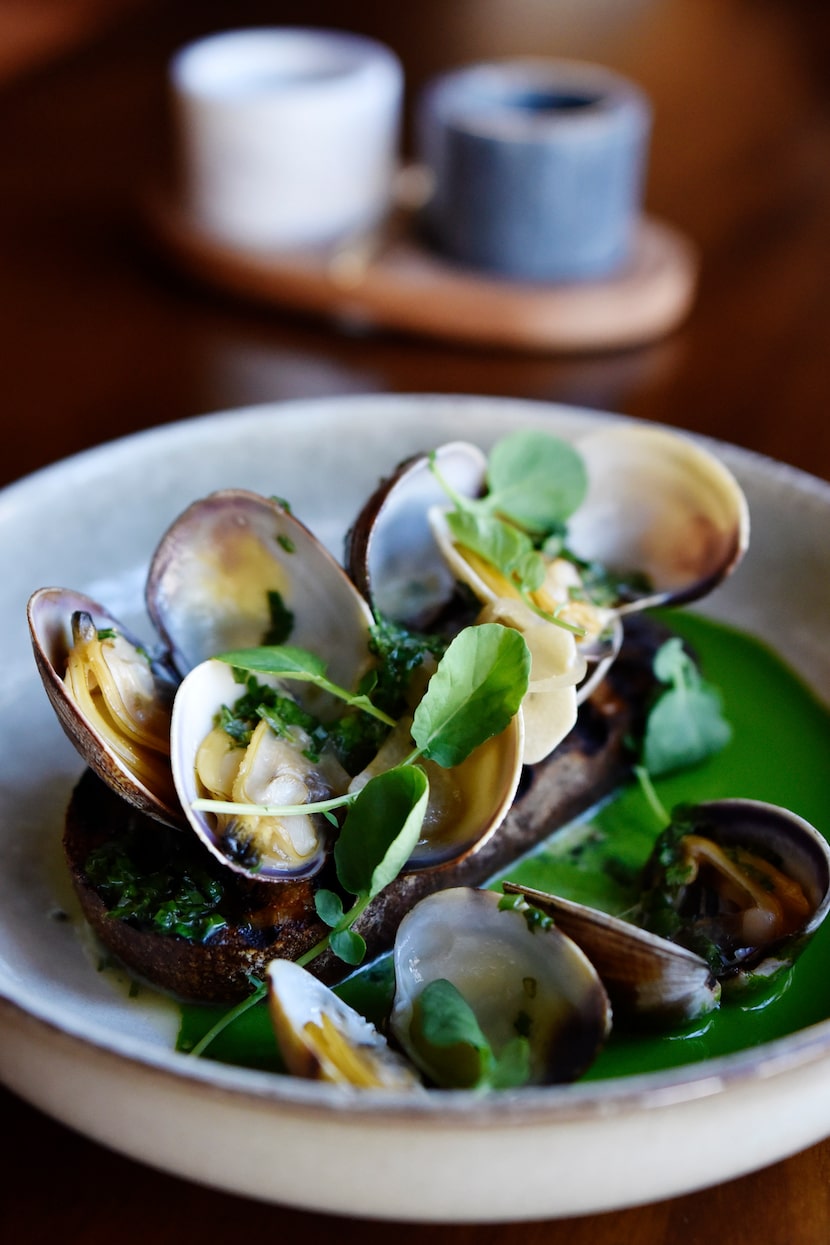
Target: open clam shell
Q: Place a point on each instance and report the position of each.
(647, 978)
(477, 796)
(233, 560)
(114, 704)
(267, 849)
(321, 1038)
(660, 510)
(764, 922)
(390, 549)
(466, 806)
(658, 505)
(518, 979)
(751, 929)
(662, 506)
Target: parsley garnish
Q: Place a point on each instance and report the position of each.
(282, 619)
(152, 882)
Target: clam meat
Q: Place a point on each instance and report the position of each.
(661, 521)
(112, 699)
(260, 768)
(731, 894)
(321, 1038)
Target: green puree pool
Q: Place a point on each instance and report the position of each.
(779, 753)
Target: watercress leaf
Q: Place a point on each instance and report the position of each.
(448, 1038)
(531, 570)
(348, 946)
(685, 726)
(536, 479)
(329, 907)
(381, 830)
(511, 1067)
(672, 664)
(499, 543)
(276, 659)
(477, 688)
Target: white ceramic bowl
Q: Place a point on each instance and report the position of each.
(80, 1050)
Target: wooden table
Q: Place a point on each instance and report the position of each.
(101, 337)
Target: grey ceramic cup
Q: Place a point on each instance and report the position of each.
(538, 167)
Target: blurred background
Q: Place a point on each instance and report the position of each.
(102, 335)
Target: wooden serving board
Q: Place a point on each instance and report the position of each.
(392, 281)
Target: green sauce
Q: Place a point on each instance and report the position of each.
(778, 753)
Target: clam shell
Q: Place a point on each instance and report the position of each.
(49, 613)
(660, 980)
(467, 803)
(660, 504)
(390, 549)
(804, 856)
(514, 977)
(210, 576)
(352, 1052)
(203, 691)
(647, 978)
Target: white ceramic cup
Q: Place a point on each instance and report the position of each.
(287, 137)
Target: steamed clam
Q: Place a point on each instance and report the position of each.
(234, 569)
(111, 698)
(539, 1013)
(732, 892)
(321, 1038)
(262, 769)
(467, 801)
(238, 571)
(661, 520)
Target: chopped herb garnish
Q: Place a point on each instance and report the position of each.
(282, 619)
(400, 652)
(152, 882)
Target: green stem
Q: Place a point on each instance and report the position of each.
(356, 702)
(652, 798)
(228, 1019)
(574, 628)
(346, 922)
(271, 810)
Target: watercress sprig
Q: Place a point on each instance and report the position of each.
(290, 662)
(454, 1049)
(476, 690)
(378, 836)
(685, 724)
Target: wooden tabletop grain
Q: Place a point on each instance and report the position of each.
(102, 336)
